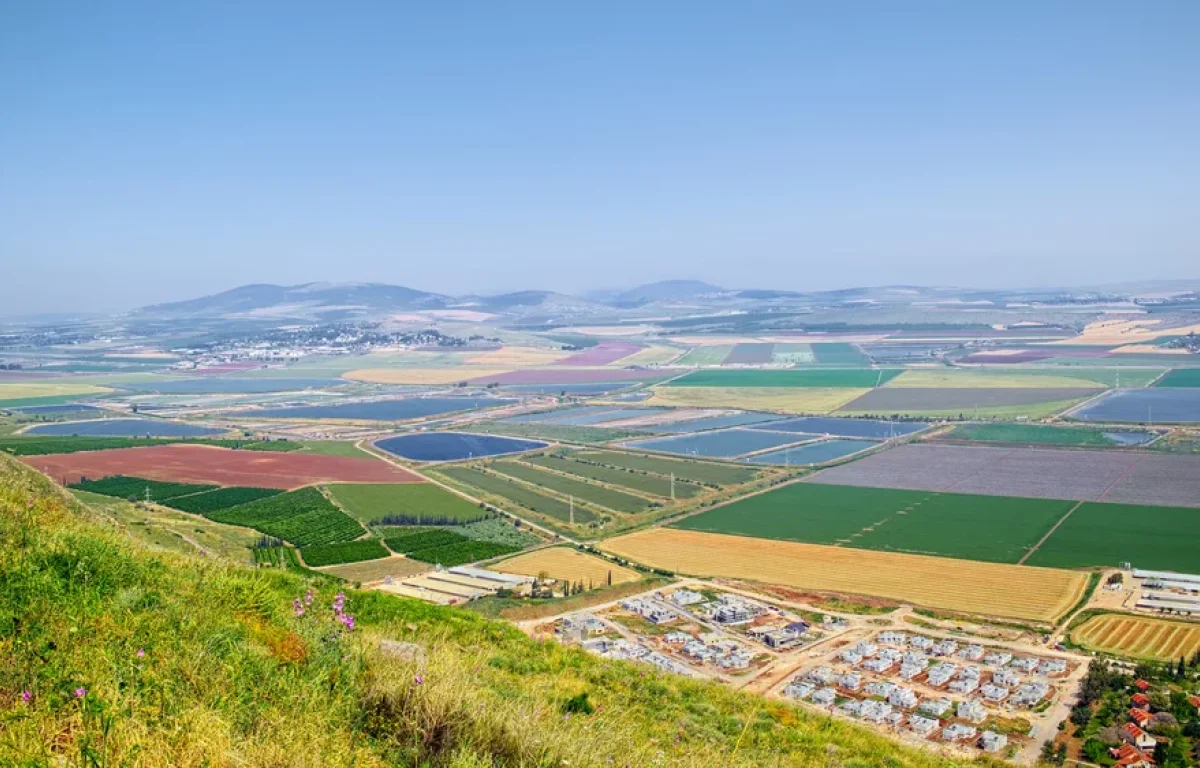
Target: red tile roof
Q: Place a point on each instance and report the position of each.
(1141, 700)
(1139, 716)
(1127, 755)
(1142, 685)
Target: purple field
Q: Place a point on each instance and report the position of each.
(567, 376)
(602, 354)
(1113, 476)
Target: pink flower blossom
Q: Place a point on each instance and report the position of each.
(80, 692)
(297, 607)
(419, 679)
(26, 695)
(141, 653)
(308, 597)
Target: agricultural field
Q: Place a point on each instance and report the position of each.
(1110, 534)
(588, 493)
(702, 472)
(713, 354)
(275, 557)
(843, 427)
(750, 353)
(516, 493)
(404, 503)
(653, 355)
(820, 378)
(811, 454)
(174, 531)
(499, 530)
(422, 538)
(785, 400)
(221, 498)
(516, 357)
(1044, 473)
(345, 552)
(303, 518)
(990, 589)
(986, 528)
(1181, 377)
(334, 448)
(35, 391)
(793, 354)
(839, 354)
(557, 432)
(1159, 405)
(446, 548)
(421, 376)
(192, 463)
(124, 487)
(369, 571)
(121, 428)
(1029, 402)
(988, 379)
(453, 446)
(1036, 434)
(397, 409)
(42, 446)
(569, 565)
(635, 481)
(1139, 637)
(702, 423)
(724, 444)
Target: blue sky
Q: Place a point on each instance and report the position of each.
(155, 151)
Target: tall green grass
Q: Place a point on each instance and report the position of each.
(229, 675)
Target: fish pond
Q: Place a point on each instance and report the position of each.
(452, 446)
(123, 428)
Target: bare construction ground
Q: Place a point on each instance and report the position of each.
(1042, 473)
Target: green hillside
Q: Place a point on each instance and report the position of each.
(114, 654)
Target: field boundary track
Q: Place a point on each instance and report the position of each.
(1049, 533)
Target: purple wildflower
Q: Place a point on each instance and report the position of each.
(141, 653)
(419, 679)
(26, 695)
(297, 607)
(80, 692)
(308, 597)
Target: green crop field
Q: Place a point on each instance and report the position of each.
(40, 446)
(636, 481)
(277, 557)
(1041, 434)
(125, 487)
(586, 492)
(221, 498)
(303, 517)
(712, 354)
(1109, 377)
(1110, 534)
(333, 448)
(347, 552)
(988, 528)
(468, 551)
(839, 354)
(423, 539)
(860, 378)
(518, 494)
(707, 473)
(1180, 377)
(405, 503)
(556, 432)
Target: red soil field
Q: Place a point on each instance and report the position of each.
(223, 466)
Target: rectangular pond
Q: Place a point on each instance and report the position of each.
(715, 422)
(452, 446)
(123, 428)
(725, 443)
(845, 427)
(814, 453)
(382, 410)
(1145, 406)
(227, 386)
(51, 410)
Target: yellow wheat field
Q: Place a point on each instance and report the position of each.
(19, 390)
(1139, 636)
(1109, 332)
(567, 565)
(968, 379)
(649, 356)
(517, 357)
(991, 589)
(783, 399)
(419, 375)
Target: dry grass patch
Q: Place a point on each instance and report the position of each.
(517, 357)
(420, 375)
(971, 379)
(992, 589)
(1139, 636)
(1114, 332)
(23, 390)
(376, 570)
(650, 356)
(783, 399)
(567, 564)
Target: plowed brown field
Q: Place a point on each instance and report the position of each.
(992, 589)
(206, 464)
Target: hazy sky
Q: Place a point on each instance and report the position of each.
(161, 150)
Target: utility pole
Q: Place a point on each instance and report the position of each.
(672, 486)
(571, 502)
(147, 494)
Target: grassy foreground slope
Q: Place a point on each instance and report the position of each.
(116, 654)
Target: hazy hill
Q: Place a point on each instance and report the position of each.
(666, 290)
(293, 300)
(132, 656)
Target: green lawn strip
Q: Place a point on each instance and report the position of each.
(517, 493)
(580, 490)
(694, 471)
(1180, 377)
(812, 377)
(468, 551)
(1047, 434)
(423, 539)
(221, 498)
(347, 552)
(1102, 534)
(303, 517)
(404, 503)
(333, 448)
(39, 446)
(988, 528)
(636, 481)
(125, 487)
